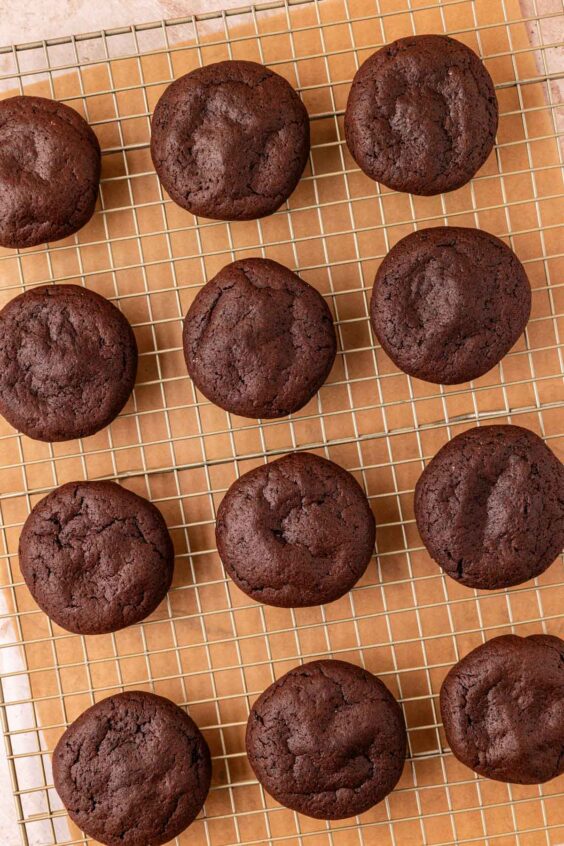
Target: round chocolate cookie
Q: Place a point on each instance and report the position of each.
(258, 341)
(503, 709)
(132, 770)
(490, 507)
(422, 115)
(68, 360)
(328, 740)
(49, 171)
(296, 532)
(96, 557)
(230, 140)
(449, 303)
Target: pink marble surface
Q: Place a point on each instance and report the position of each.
(37, 19)
(546, 32)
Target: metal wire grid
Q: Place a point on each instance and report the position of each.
(208, 647)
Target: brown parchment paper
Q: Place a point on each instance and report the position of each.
(208, 647)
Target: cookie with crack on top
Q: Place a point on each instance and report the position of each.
(502, 707)
(49, 171)
(328, 739)
(68, 360)
(132, 770)
(296, 532)
(490, 507)
(229, 141)
(422, 115)
(448, 303)
(96, 557)
(258, 340)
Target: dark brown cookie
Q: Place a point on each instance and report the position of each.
(230, 140)
(503, 709)
(490, 507)
(68, 360)
(49, 171)
(132, 770)
(328, 740)
(449, 303)
(96, 557)
(422, 115)
(258, 341)
(298, 531)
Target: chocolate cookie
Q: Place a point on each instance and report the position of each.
(96, 557)
(230, 140)
(449, 303)
(298, 531)
(503, 709)
(490, 507)
(68, 360)
(49, 171)
(258, 341)
(328, 740)
(132, 770)
(422, 115)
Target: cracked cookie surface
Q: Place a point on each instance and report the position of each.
(502, 707)
(96, 557)
(68, 360)
(258, 340)
(230, 140)
(132, 770)
(296, 532)
(49, 171)
(422, 115)
(448, 303)
(490, 507)
(328, 740)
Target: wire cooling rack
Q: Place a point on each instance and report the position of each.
(208, 646)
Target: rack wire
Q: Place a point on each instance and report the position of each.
(208, 647)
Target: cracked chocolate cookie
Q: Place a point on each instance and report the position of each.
(96, 557)
(230, 140)
(503, 709)
(132, 770)
(49, 171)
(258, 340)
(449, 303)
(68, 360)
(490, 507)
(296, 532)
(328, 740)
(422, 115)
